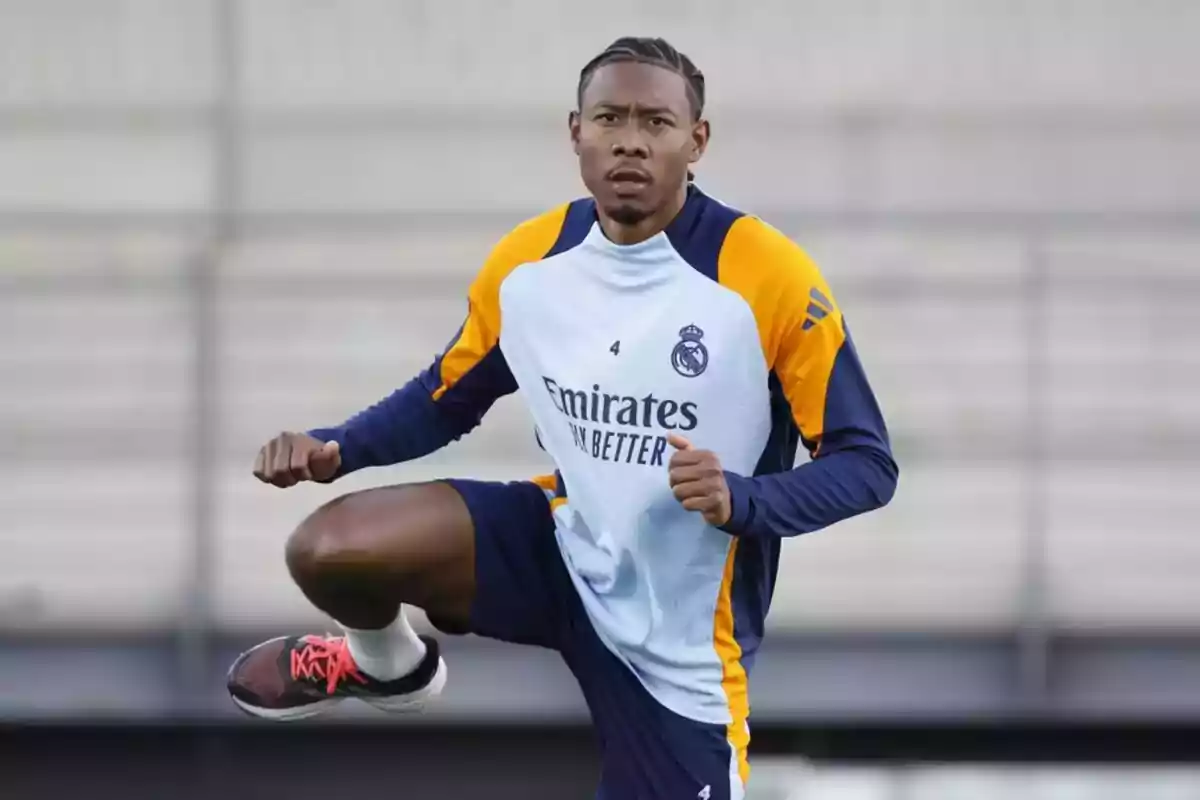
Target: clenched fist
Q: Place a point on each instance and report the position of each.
(290, 458)
(699, 482)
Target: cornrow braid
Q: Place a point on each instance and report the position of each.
(649, 50)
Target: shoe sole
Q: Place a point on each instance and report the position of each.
(410, 703)
(413, 701)
(288, 714)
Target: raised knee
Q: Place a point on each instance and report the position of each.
(360, 555)
(328, 541)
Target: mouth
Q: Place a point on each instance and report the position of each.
(628, 182)
(629, 175)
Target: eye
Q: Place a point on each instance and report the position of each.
(659, 122)
(606, 116)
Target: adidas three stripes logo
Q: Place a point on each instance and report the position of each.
(818, 309)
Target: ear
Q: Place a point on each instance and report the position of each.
(701, 132)
(574, 125)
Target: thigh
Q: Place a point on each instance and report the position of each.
(649, 751)
(521, 585)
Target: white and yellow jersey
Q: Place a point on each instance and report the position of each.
(719, 329)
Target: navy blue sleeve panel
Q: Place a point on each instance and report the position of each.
(852, 471)
(404, 426)
(450, 398)
(819, 386)
(437, 407)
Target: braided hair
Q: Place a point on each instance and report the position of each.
(649, 50)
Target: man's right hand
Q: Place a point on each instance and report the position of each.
(290, 458)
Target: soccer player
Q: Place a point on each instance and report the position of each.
(673, 352)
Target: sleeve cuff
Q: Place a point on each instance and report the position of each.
(741, 502)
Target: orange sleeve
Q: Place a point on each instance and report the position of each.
(447, 400)
(478, 338)
(800, 325)
(809, 351)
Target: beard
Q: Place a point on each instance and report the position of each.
(625, 214)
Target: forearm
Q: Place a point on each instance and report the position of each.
(815, 495)
(404, 426)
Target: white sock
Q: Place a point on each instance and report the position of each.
(387, 653)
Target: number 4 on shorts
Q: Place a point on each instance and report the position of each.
(705, 793)
(616, 348)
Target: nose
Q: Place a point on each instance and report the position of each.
(630, 143)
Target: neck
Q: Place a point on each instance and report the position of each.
(656, 223)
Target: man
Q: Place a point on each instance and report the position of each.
(673, 353)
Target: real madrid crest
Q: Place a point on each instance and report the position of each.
(690, 356)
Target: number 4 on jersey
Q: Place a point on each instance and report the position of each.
(616, 348)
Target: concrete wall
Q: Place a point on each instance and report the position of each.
(1005, 195)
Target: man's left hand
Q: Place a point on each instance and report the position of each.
(699, 482)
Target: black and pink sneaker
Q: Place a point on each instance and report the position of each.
(294, 677)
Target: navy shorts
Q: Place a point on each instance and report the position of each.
(524, 595)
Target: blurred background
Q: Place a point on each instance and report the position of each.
(221, 219)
